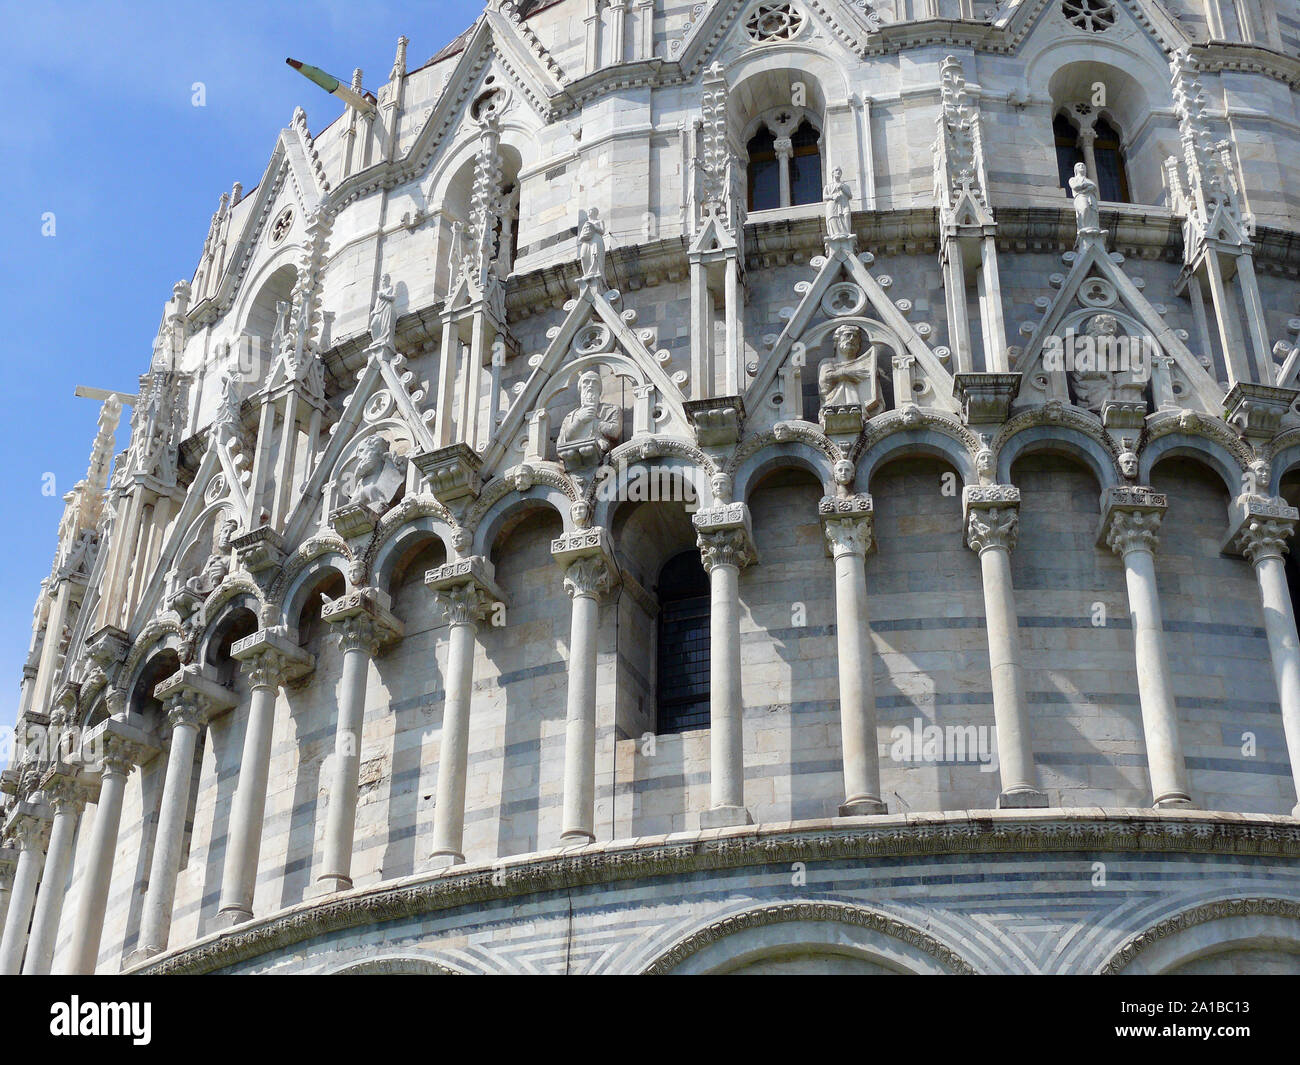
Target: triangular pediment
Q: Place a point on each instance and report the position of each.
(1097, 285)
(844, 289)
(722, 31)
(1022, 20)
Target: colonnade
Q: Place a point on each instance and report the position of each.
(42, 830)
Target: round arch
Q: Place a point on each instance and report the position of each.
(405, 539)
(1058, 440)
(507, 510)
(908, 443)
(304, 582)
(1209, 453)
(790, 454)
(883, 942)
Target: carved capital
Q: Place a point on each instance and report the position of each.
(120, 746)
(465, 589)
(590, 575)
(992, 516)
(66, 790)
(1260, 527)
(1265, 538)
(29, 827)
(727, 547)
(848, 522)
(362, 620)
(270, 659)
(1130, 519)
(465, 604)
(191, 697)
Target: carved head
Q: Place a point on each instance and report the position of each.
(848, 342)
(1080, 171)
(720, 486)
(580, 512)
(844, 471)
(589, 388)
(1103, 325)
(836, 175)
(1128, 460)
(371, 454)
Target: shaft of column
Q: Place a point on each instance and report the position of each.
(98, 875)
(156, 921)
(1155, 686)
(49, 903)
(1284, 650)
(31, 860)
(726, 739)
(857, 688)
(248, 811)
(992, 531)
(453, 757)
(341, 818)
(580, 721)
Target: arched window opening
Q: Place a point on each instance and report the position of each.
(310, 624)
(1095, 142)
(785, 164)
(682, 673)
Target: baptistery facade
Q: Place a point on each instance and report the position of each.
(748, 486)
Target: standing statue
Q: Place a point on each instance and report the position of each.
(839, 206)
(850, 377)
(229, 403)
(1086, 198)
(591, 420)
(383, 318)
(591, 247)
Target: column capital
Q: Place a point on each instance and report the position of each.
(848, 522)
(725, 536)
(270, 659)
(1259, 527)
(66, 788)
(588, 562)
(192, 697)
(991, 516)
(465, 589)
(1130, 518)
(28, 826)
(363, 620)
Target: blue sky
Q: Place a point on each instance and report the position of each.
(99, 129)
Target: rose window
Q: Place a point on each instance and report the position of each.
(1094, 16)
(774, 22)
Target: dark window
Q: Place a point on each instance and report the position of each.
(764, 172)
(805, 166)
(682, 674)
(1067, 150)
(1112, 181)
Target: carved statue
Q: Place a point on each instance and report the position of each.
(1086, 198)
(213, 573)
(228, 406)
(591, 419)
(850, 377)
(591, 247)
(377, 476)
(281, 326)
(383, 318)
(839, 206)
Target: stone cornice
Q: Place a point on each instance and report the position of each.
(682, 854)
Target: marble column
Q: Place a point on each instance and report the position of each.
(1261, 533)
(121, 748)
(992, 525)
(847, 523)
(1130, 525)
(726, 546)
(191, 700)
(29, 831)
(466, 592)
(8, 866)
(364, 626)
(589, 574)
(66, 795)
(269, 660)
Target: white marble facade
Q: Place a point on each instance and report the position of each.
(958, 339)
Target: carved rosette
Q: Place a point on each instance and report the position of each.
(992, 516)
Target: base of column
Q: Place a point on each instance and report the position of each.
(1022, 799)
(1174, 802)
(328, 883)
(862, 808)
(141, 955)
(725, 817)
(576, 839)
(445, 860)
(233, 917)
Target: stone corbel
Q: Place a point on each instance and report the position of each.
(592, 543)
(986, 397)
(121, 742)
(260, 550)
(727, 529)
(355, 521)
(475, 571)
(990, 515)
(717, 421)
(452, 472)
(1256, 411)
(1255, 521)
(845, 517)
(1130, 510)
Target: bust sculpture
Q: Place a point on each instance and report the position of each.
(376, 478)
(848, 378)
(591, 420)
